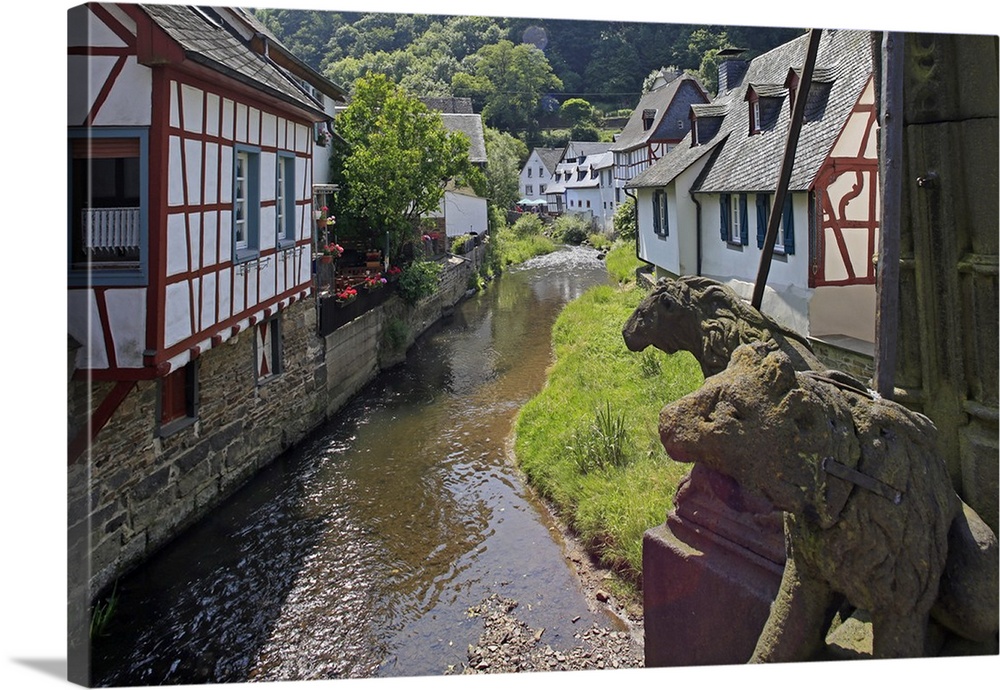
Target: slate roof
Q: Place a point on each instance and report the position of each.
(598, 162)
(335, 91)
(751, 163)
(209, 43)
(633, 134)
(575, 149)
(471, 125)
(449, 104)
(550, 158)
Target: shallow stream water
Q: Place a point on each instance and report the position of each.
(360, 552)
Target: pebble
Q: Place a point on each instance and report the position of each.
(508, 645)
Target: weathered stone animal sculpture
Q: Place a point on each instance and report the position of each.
(870, 512)
(709, 320)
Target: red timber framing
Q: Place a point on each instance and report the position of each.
(227, 279)
(846, 220)
(189, 204)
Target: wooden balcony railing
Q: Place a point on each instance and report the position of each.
(111, 234)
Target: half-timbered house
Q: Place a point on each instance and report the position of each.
(657, 124)
(193, 345)
(703, 208)
(190, 196)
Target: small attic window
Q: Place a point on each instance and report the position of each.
(648, 117)
(754, 101)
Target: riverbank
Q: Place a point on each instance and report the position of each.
(589, 443)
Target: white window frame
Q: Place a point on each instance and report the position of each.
(734, 219)
(284, 196)
(246, 203)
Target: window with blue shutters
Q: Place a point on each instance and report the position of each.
(733, 221)
(784, 243)
(246, 203)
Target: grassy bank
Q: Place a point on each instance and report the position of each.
(589, 441)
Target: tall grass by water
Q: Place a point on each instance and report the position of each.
(589, 442)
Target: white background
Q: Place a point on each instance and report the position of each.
(32, 613)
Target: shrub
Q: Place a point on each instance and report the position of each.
(418, 280)
(599, 240)
(527, 225)
(570, 229)
(624, 220)
(459, 244)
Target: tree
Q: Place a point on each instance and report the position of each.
(578, 111)
(506, 155)
(399, 159)
(624, 220)
(510, 81)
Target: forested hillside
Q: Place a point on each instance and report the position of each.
(520, 60)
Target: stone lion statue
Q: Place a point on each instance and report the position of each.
(870, 514)
(709, 320)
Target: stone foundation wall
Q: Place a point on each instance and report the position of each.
(857, 364)
(139, 490)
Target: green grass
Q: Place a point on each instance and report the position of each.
(622, 261)
(601, 403)
(515, 249)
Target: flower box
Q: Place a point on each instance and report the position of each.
(334, 314)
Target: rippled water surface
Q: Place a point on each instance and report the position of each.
(360, 552)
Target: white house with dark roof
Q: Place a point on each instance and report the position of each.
(591, 191)
(462, 211)
(657, 124)
(538, 172)
(578, 185)
(703, 207)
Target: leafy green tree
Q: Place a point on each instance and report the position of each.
(585, 132)
(399, 159)
(506, 154)
(510, 81)
(578, 111)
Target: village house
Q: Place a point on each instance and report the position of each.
(575, 166)
(703, 208)
(591, 191)
(657, 124)
(538, 173)
(461, 211)
(191, 147)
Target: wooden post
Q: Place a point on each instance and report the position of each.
(890, 184)
(798, 112)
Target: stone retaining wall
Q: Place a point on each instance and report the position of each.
(139, 490)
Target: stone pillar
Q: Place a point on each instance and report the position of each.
(710, 573)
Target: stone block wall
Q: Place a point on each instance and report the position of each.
(137, 490)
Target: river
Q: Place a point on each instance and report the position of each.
(359, 552)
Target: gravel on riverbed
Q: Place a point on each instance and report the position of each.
(508, 645)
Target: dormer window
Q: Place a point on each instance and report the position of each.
(648, 117)
(754, 112)
(792, 84)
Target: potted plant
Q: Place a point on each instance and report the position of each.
(330, 252)
(346, 295)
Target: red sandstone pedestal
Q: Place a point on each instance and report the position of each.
(710, 573)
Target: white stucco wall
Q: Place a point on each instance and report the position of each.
(463, 214)
(844, 310)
